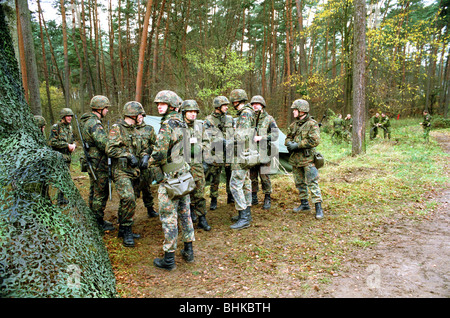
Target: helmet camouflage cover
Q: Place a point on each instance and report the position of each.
(258, 99)
(132, 109)
(168, 97)
(219, 101)
(238, 95)
(100, 102)
(301, 105)
(65, 112)
(189, 104)
(40, 121)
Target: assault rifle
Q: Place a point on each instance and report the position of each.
(323, 117)
(85, 149)
(109, 173)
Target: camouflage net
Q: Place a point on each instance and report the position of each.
(45, 250)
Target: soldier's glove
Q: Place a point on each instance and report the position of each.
(143, 164)
(292, 146)
(133, 161)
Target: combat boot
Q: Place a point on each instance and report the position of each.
(304, 206)
(105, 225)
(127, 234)
(121, 232)
(319, 211)
(243, 221)
(151, 212)
(213, 205)
(168, 262)
(254, 198)
(230, 198)
(266, 205)
(188, 252)
(202, 223)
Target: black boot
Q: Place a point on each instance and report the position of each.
(244, 220)
(254, 198)
(202, 223)
(213, 205)
(304, 206)
(188, 252)
(236, 217)
(319, 211)
(168, 262)
(127, 234)
(151, 212)
(230, 198)
(121, 232)
(266, 205)
(105, 225)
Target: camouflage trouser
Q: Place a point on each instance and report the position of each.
(169, 213)
(216, 171)
(145, 188)
(426, 133)
(265, 179)
(98, 193)
(127, 206)
(198, 201)
(307, 177)
(241, 188)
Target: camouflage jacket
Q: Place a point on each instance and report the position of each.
(306, 133)
(149, 138)
(123, 140)
(426, 123)
(61, 135)
(195, 144)
(385, 122)
(243, 133)
(374, 121)
(338, 124)
(169, 143)
(96, 137)
(348, 122)
(266, 126)
(216, 126)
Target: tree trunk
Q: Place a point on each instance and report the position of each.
(66, 56)
(140, 71)
(359, 83)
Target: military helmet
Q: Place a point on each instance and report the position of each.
(258, 99)
(65, 112)
(219, 101)
(132, 109)
(238, 95)
(301, 105)
(100, 102)
(40, 121)
(189, 105)
(168, 97)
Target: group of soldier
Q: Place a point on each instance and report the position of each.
(134, 156)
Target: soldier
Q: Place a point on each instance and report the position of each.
(265, 125)
(95, 136)
(374, 123)
(193, 156)
(240, 183)
(167, 154)
(216, 125)
(40, 122)
(338, 126)
(426, 125)
(62, 140)
(146, 178)
(386, 124)
(302, 138)
(125, 146)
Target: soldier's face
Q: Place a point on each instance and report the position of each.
(68, 119)
(162, 108)
(257, 107)
(139, 119)
(104, 111)
(224, 108)
(295, 112)
(191, 115)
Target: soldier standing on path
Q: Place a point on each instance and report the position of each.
(426, 125)
(125, 146)
(302, 138)
(167, 154)
(265, 126)
(216, 125)
(240, 183)
(193, 155)
(95, 136)
(62, 140)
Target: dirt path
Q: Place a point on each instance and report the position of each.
(413, 259)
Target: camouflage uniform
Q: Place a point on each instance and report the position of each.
(265, 126)
(338, 126)
(374, 121)
(95, 136)
(216, 125)
(166, 154)
(125, 145)
(387, 126)
(426, 125)
(302, 138)
(240, 183)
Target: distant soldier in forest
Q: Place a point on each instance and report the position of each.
(386, 124)
(62, 140)
(96, 137)
(348, 125)
(302, 138)
(338, 126)
(265, 125)
(125, 146)
(374, 124)
(166, 155)
(426, 125)
(41, 123)
(216, 125)
(240, 183)
(193, 155)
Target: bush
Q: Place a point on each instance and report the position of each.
(440, 122)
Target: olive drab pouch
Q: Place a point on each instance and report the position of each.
(180, 186)
(249, 159)
(319, 160)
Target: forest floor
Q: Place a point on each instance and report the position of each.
(382, 248)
